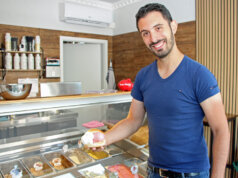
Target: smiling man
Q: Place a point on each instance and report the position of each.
(176, 92)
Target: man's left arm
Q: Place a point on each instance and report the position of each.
(215, 114)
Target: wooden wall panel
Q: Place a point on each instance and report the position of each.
(130, 53)
(217, 46)
(186, 38)
(50, 40)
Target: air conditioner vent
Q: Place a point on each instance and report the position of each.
(87, 15)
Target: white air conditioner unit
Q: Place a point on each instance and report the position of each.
(87, 15)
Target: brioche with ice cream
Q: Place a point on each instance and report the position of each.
(93, 138)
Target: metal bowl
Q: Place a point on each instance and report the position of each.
(15, 91)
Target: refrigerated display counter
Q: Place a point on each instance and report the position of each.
(39, 138)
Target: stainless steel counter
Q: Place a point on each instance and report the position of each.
(36, 128)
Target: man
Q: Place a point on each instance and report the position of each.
(176, 92)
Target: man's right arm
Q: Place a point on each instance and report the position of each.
(127, 126)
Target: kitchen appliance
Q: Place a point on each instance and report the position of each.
(52, 68)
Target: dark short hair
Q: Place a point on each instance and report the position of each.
(143, 11)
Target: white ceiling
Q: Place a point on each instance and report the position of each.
(110, 1)
(108, 4)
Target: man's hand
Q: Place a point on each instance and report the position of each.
(93, 139)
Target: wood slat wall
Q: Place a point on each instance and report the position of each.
(217, 46)
(130, 53)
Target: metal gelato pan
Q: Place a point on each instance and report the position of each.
(37, 166)
(96, 171)
(128, 168)
(109, 151)
(97, 155)
(58, 161)
(8, 167)
(78, 156)
(114, 150)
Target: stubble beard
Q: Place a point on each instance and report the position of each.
(163, 53)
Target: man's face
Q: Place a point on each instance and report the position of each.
(157, 33)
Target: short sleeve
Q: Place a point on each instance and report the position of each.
(136, 91)
(205, 83)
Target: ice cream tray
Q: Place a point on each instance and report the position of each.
(60, 163)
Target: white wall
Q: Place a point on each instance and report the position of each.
(46, 14)
(41, 14)
(181, 11)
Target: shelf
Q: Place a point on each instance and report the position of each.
(26, 52)
(40, 71)
(20, 70)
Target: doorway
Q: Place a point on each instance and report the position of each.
(84, 60)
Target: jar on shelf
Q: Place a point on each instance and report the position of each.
(8, 42)
(23, 61)
(14, 44)
(37, 44)
(8, 61)
(30, 61)
(38, 61)
(16, 61)
(22, 46)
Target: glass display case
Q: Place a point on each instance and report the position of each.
(39, 138)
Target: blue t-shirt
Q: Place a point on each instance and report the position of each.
(175, 117)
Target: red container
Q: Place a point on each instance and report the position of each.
(125, 85)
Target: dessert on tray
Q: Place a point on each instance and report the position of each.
(95, 171)
(16, 172)
(78, 156)
(37, 166)
(13, 169)
(58, 160)
(124, 172)
(97, 154)
(37, 169)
